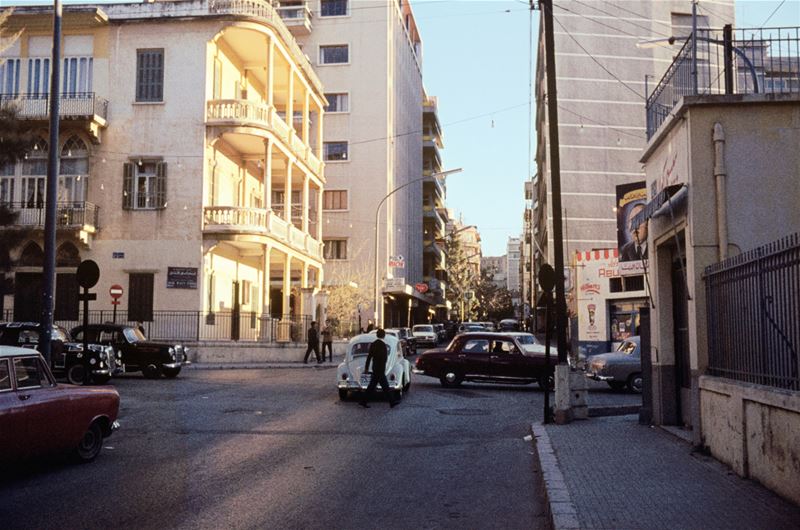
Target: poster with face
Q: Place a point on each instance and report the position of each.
(632, 242)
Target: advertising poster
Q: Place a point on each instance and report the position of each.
(632, 243)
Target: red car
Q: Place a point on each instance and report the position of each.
(39, 416)
(486, 357)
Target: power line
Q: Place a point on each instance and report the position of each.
(610, 127)
(592, 57)
(773, 13)
(590, 19)
(648, 29)
(667, 24)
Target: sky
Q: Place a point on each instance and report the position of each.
(475, 59)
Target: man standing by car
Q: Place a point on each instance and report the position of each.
(313, 343)
(378, 355)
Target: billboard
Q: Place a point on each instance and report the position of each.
(632, 244)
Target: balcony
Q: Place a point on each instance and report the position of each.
(435, 181)
(297, 18)
(78, 217)
(75, 106)
(246, 113)
(429, 213)
(239, 220)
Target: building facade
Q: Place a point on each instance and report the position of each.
(513, 283)
(190, 164)
(369, 58)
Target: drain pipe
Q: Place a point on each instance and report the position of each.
(719, 176)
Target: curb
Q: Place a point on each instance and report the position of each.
(614, 410)
(261, 366)
(561, 511)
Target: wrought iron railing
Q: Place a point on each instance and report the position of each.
(70, 105)
(753, 306)
(78, 214)
(740, 61)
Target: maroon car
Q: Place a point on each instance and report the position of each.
(485, 357)
(39, 416)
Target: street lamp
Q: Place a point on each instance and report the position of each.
(377, 305)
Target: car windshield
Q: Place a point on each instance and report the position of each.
(423, 329)
(628, 347)
(526, 339)
(133, 335)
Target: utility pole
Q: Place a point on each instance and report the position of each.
(563, 410)
(49, 272)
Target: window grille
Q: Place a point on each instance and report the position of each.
(334, 54)
(333, 8)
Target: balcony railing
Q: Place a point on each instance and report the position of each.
(296, 18)
(259, 114)
(69, 215)
(71, 105)
(742, 61)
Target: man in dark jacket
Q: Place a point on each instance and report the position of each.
(313, 343)
(378, 355)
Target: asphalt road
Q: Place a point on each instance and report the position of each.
(275, 448)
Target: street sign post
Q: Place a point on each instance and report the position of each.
(115, 291)
(88, 273)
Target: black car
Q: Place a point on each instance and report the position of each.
(485, 357)
(136, 353)
(67, 358)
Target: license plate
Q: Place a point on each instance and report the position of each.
(365, 379)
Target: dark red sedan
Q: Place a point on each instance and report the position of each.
(39, 416)
(485, 357)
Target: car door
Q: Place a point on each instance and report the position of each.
(509, 362)
(47, 413)
(474, 357)
(12, 416)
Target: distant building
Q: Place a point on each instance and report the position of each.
(495, 267)
(513, 280)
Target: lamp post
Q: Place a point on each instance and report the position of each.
(377, 305)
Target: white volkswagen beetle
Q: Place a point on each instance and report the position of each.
(350, 371)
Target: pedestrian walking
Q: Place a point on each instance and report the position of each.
(327, 341)
(370, 325)
(313, 343)
(378, 355)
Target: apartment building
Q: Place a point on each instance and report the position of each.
(513, 284)
(603, 70)
(368, 55)
(190, 163)
(495, 268)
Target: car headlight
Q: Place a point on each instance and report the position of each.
(172, 351)
(92, 361)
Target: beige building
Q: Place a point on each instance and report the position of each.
(191, 164)
(369, 57)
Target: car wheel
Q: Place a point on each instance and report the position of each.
(451, 379)
(616, 385)
(152, 371)
(407, 386)
(101, 379)
(171, 373)
(343, 394)
(635, 383)
(90, 444)
(547, 381)
(76, 374)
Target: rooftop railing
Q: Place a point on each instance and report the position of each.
(729, 61)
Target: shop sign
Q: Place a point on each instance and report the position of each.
(181, 277)
(397, 262)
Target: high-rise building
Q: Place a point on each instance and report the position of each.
(368, 55)
(513, 271)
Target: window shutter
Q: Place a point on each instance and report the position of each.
(127, 186)
(161, 185)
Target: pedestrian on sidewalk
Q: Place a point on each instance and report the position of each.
(313, 343)
(378, 355)
(327, 341)
(370, 325)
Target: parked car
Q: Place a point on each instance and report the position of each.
(406, 338)
(440, 332)
(425, 335)
(619, 368)
(350, 375)
(468, 327)
(485, 357)
(39, 416)
(67, 358)
(395, 332)
(530, 343)
(411, 339)
(488, 326)
(136, 353)
(508, 324)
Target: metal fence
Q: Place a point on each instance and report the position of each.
(754, 315)
(69, 214)
(740, 61)
(195, 326)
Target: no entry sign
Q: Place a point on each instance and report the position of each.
(116, 293)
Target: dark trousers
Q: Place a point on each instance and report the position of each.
(312, 346)
(329, 346)
(373, 384)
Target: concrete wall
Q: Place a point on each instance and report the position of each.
(754, 430)
(243, 352)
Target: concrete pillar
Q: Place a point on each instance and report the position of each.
(306, 124)
(265, 308)
(287, 283)
(287, 195)
(318, 235)
(268, 174)
(563, 410)
(270, 72)
(304, 226)
(319, 133)
(290, 103)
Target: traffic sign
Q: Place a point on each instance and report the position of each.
(88, 273)
(116, 291)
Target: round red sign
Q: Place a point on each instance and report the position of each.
(422, 287)
(115, 291)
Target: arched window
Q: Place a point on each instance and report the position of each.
(67, 256)
(34, 172)
(32, 256)
(74, 170)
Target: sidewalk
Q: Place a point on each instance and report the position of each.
(312, 363)
(612, 473)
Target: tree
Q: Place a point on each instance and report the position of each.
(16, 139)
(495, 302)
(349, 288)
(461, 278)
